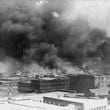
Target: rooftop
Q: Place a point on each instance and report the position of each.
(47, 78)
(44, 78)
(84, 100)
(35, 101)
(31, 105)
(6, 80)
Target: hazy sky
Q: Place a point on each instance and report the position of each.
(96, 11)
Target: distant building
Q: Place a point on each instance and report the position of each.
(25, 87)
(86, 81)
(8, 87)
(49, 84)
(100, 80)
(62, 83)
(107, 80)
(24, 83)
(44, 84)
(81, 83)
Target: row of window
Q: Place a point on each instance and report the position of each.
(6, 85)
(9, 90)
(99, 108)
(49, 102)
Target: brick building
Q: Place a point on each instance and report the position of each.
(25, 87)
(44, 84)
(48, 84)
(62, 83)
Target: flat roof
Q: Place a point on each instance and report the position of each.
(36, 104)
(45, 78)
(7, 80)
(60, 96)
(31, 101)
(81, 100)
(9, 106)
(30, 105)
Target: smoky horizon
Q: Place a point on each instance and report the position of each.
(38, 36)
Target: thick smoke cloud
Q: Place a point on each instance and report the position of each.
(39, 31)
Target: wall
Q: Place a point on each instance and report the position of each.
(81, 83)
(62, 83)
(45, 85)
(100, 81)
(60, 102)
(8, 88)
(25, 87)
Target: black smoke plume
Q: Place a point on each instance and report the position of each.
(36, 31)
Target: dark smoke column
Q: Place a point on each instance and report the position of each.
(36, 31)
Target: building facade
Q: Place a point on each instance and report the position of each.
(100, 81)
(50, 84)
(44, 84)
(25, 87)
(62, 83)
(8, 87)
(81, 83)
